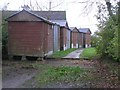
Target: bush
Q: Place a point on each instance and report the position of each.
(94, 40)
(4, 40)
(108, 44)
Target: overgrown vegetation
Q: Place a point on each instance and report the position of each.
(106, 39)
(89, 53)
(60, 54)
(4, 39)
(108, 44)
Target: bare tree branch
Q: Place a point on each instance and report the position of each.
(38, 6)
(109, 10)
(5, 6)
(88, 7)
(57, 5)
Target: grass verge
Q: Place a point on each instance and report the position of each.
(61, 74)
(89, 53)
(60, 54)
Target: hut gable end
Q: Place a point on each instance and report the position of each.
(84, 30)
(23, 16)
(74, 29)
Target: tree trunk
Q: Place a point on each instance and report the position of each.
(110, 11)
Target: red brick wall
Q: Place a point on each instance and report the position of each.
(65, 36)
(50, 38)
(26, 38)
(45, 39)
(81, 39)
(61, 38)
(75, 38)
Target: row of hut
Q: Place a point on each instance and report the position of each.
(40, 33)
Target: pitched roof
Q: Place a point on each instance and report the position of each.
(39, 17)
(62, 23)
(84, 30)
(6, 14)
(71, 28)
(50, 15)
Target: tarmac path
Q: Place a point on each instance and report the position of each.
(74, 54)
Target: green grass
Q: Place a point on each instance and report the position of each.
(62, 73)
(61, 54)
(89, 53)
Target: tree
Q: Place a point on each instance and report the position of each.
(40, 6)
(108, 17)
(108, 31)
(4, 39)
(95, 40)
(4, 33)
(5, 6)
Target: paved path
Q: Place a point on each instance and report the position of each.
(74, 54)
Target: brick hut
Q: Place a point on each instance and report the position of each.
(58, 17)
(75, 39)
(29, 35)
(64, 34)
(85, 37)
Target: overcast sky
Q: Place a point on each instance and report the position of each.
(74, 10)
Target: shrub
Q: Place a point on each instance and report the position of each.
(4, 40)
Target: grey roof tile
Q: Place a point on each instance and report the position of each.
(42, 18)
(84, 30)
(59, 22)
(72, 28)
(50, 15)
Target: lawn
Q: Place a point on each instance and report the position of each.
(64, 74)
(60, 54)
(89, 53)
